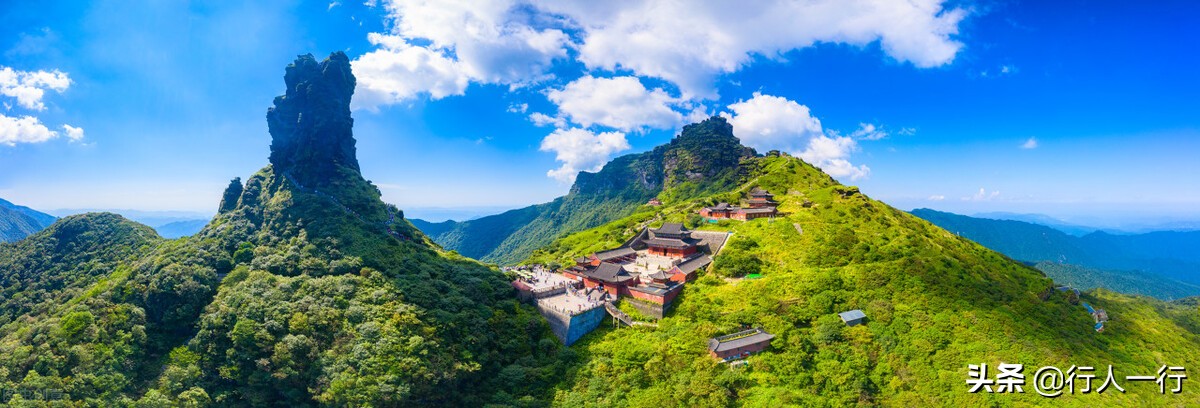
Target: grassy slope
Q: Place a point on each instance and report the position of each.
(935, 303)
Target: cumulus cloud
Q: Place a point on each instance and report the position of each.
(489, 41)
(581, 150)
(689, 43)
(28, 87)
(868, 131)
(1030, 144)
(25, 129)
(767, 122)
(619, 103)
(937, 197)
(399, 71)
(73, 133)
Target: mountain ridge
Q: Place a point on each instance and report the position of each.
(702, 158)
(18, 222)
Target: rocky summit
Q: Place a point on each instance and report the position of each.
(311, 128)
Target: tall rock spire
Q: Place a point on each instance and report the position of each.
(311, 128)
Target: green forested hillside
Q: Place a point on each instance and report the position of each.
(703, 159)
(304, 290)
(1129, 282)
(18, 222)
(935, 302)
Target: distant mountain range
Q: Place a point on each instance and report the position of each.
(1153, 256)
(18, 222)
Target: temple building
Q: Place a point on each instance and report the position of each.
(620, 255)
(655, 294)
(739, 345)
(761, 204)
(609, 277)
(760, 198)
(671, 240)
(747, 214)
(717, 212)
(654, 202)
(686, 271)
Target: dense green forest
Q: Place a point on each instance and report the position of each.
(1130, 282)
(304, 290)
(703, 159)
(935, 302)
(18, 222)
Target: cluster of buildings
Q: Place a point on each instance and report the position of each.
(649, 270)
(760, 204)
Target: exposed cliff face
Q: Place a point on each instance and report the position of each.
(310, 125)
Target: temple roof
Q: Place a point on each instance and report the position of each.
(759, 192)
(668, 243)
(739, 339)
(670, 228)
(615, 253)
(693, 264)
(660, 275)
(757, 210)
(608, 272)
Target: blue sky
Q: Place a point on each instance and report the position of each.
(1068, 108)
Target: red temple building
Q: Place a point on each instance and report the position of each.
(610, 277)
(672, 240)
(760, 198)
(739, 345)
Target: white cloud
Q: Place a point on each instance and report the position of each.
(689, 43)
(461, 41)
(581, 150)
(332, 5)
(399, 71)
(25, 129)
(982, 195)
(868, 131)
(832, 155)
(620, 103)
(1032, 143)
(937, 197)
(767, 122)
(518, 108)
(73, 133)
(28, 87)
(542, 119)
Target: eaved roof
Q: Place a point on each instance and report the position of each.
(615, 253)
(739, 339)
(660, 275)
(667, 243)
(673, 228)
(719, 207)
(757, 210)
(759, 192)
(693, 264)
(608, 272)
(852, 315)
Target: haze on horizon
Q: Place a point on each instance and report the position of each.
(1085, 113)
